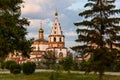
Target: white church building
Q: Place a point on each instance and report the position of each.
(55, 42)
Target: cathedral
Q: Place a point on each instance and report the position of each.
(55, 42)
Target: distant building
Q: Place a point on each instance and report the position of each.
(17, 57)
(39, 46)
(56, 43)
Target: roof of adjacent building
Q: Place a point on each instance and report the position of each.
(41, 40)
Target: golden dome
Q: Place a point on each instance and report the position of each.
(41, 30)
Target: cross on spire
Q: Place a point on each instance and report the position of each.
(41, 24)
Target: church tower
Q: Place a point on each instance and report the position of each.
(41, 32)
(39, 46)
(56, 39)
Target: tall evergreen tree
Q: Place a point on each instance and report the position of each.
(12, 28)
(100, 35)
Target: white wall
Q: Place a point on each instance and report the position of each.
(42, 47)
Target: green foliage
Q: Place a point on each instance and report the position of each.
(67, 63)
(7, 64)
(52, 76)
(62, 76)
(28, 68)
(76, 66)
(15, 68)
(99, 36)
(50, 59)
(12, 28)
(3, 65)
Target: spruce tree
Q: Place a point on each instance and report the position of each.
(12, 28)
(99, 34)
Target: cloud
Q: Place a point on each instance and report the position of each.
(117, 3)
(31, 9)
(70, 44)
(43, 10)
(35, 26)
(76, 6)
(70, 34)
(30, 36)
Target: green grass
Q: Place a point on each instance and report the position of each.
(61, 76)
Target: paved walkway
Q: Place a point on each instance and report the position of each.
(80, 72)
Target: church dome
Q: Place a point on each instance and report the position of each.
(41, 30)
(56, 14)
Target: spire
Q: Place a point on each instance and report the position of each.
(56, 38)
(56, 29)
(41, 24)
(56, 14)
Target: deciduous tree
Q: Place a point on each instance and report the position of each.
(50, 59)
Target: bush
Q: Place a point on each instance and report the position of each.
(28, 68)
(15, 68)
(8, 63)
(3, 65)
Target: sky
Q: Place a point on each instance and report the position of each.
(43, 10)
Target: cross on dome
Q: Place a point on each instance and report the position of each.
(41, 30)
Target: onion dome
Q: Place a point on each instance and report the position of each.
(41, 30)
(56, 14)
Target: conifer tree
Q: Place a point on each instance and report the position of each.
(12, 28)
(100, 36)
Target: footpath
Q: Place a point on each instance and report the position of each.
(79, 72)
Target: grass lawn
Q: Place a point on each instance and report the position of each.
(61, 76)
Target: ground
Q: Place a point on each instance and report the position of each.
(60, 76)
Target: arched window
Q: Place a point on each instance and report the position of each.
(60, 55)
(60, 40)
(54, 32)
(54, 39)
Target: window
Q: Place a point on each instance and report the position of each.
(60, 40)
(60, 55)
(54, 32)
(54, 39)
(34, 47)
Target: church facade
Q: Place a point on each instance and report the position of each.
(55, 42)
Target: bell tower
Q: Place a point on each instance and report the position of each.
(56, 38)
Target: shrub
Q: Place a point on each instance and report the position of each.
(3, 65)
(28, 68)
(8, 63)
(15, 68)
